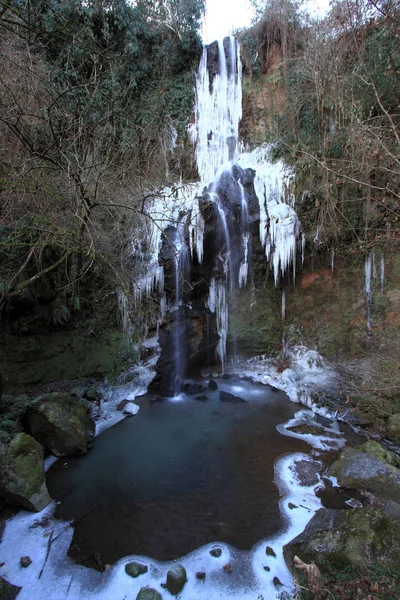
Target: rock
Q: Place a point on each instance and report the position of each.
(216, 552)
(366, 471)
(269, 551)
(147, 593)
(277, 582)
(227, 397)
(228, 568)
(378, 450)
(176, 579)
(25, 561)
(8, 591)
(335, 539)
(266, 568)
(201, 575)
(212, 385)
(60, 423)
(134, 569)
(192, 388)
(393, 427)
(292, 506)
(392, 510)
(131, 409)
(22, 479)
(202, 398)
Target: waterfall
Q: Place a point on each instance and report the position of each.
(210, 224)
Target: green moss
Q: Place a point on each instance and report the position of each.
(25, 457)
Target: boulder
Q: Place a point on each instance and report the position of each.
(61, 423)
(176, 579)
(393, 427)
(227, 397)
(212, 385)
(363, 470)
(335, 539)
(148, 593)
(8, 591)
(22, 479)
(378, 450)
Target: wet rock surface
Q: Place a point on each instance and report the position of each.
(22, 479)
(60, 423)
(148, 593)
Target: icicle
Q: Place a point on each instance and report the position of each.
(217, 303)
(283, 304)
(303, 247)
(244, 267)
(382, 277)
(123, 311)
(367, 290)
(196, 231)
(332, 260)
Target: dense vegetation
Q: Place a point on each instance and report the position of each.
(337, 116)
(95, 98)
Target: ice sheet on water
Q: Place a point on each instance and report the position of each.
(57, 577)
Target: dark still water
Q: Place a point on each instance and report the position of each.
(176, 476)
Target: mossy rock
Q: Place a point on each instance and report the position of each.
(134, 569)
(378, 450)
(393, 427)
(176, 579)
(337, 539)
(61, 423)
(22, 479)
(363, 470)
(147, 593)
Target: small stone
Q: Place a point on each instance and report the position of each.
(200, 575)
(25, 561)
(269, 551)
(202, 398)
(266, 568)
(214, 375)
(212, 385)
(148, 593)
(292, 506)
(228, 568)
(216, 552)
(176, 579)
(276, 581)
(134, 569)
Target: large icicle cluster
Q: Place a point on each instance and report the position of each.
(218, 112)
(280, 227)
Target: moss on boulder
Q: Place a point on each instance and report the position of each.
(22, 479)
(336, 539)
(60, 423)
(363, 470)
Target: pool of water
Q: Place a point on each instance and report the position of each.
(181, 473)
